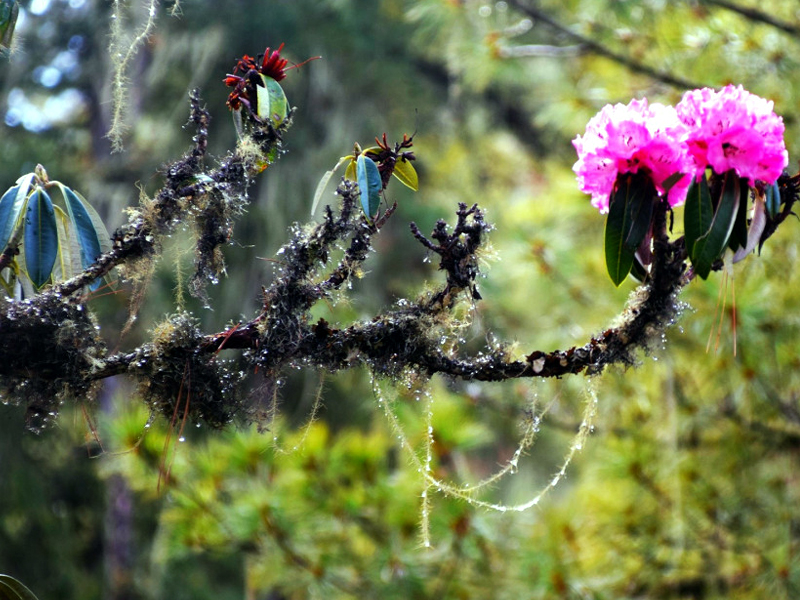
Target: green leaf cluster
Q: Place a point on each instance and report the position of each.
(56, 231)
(362, 168)
(714, 224)
(271, 106)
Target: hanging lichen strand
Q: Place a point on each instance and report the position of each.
(122, 48)
(421, 458)
(126, 37)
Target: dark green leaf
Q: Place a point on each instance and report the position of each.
(773, 200)
(672, 180)
(710, 247)
(369, 184)
(698, 213)
(641, 198)
(619, 254)
(40, 238)
(13, 589)
(738, 237)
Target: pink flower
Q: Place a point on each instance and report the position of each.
(734, 129)
(625, 139)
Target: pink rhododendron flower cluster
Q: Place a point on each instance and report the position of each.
(734, 129)
(625, 139)
(726, 129)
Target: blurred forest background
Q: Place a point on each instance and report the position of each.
(688, 486)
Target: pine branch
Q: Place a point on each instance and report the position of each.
(600, 49)
(758, 16)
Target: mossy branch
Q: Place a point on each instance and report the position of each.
(58, 355)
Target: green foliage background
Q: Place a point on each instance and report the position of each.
(687, 487)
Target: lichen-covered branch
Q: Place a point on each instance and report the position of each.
(52, 353)
(757, 16)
